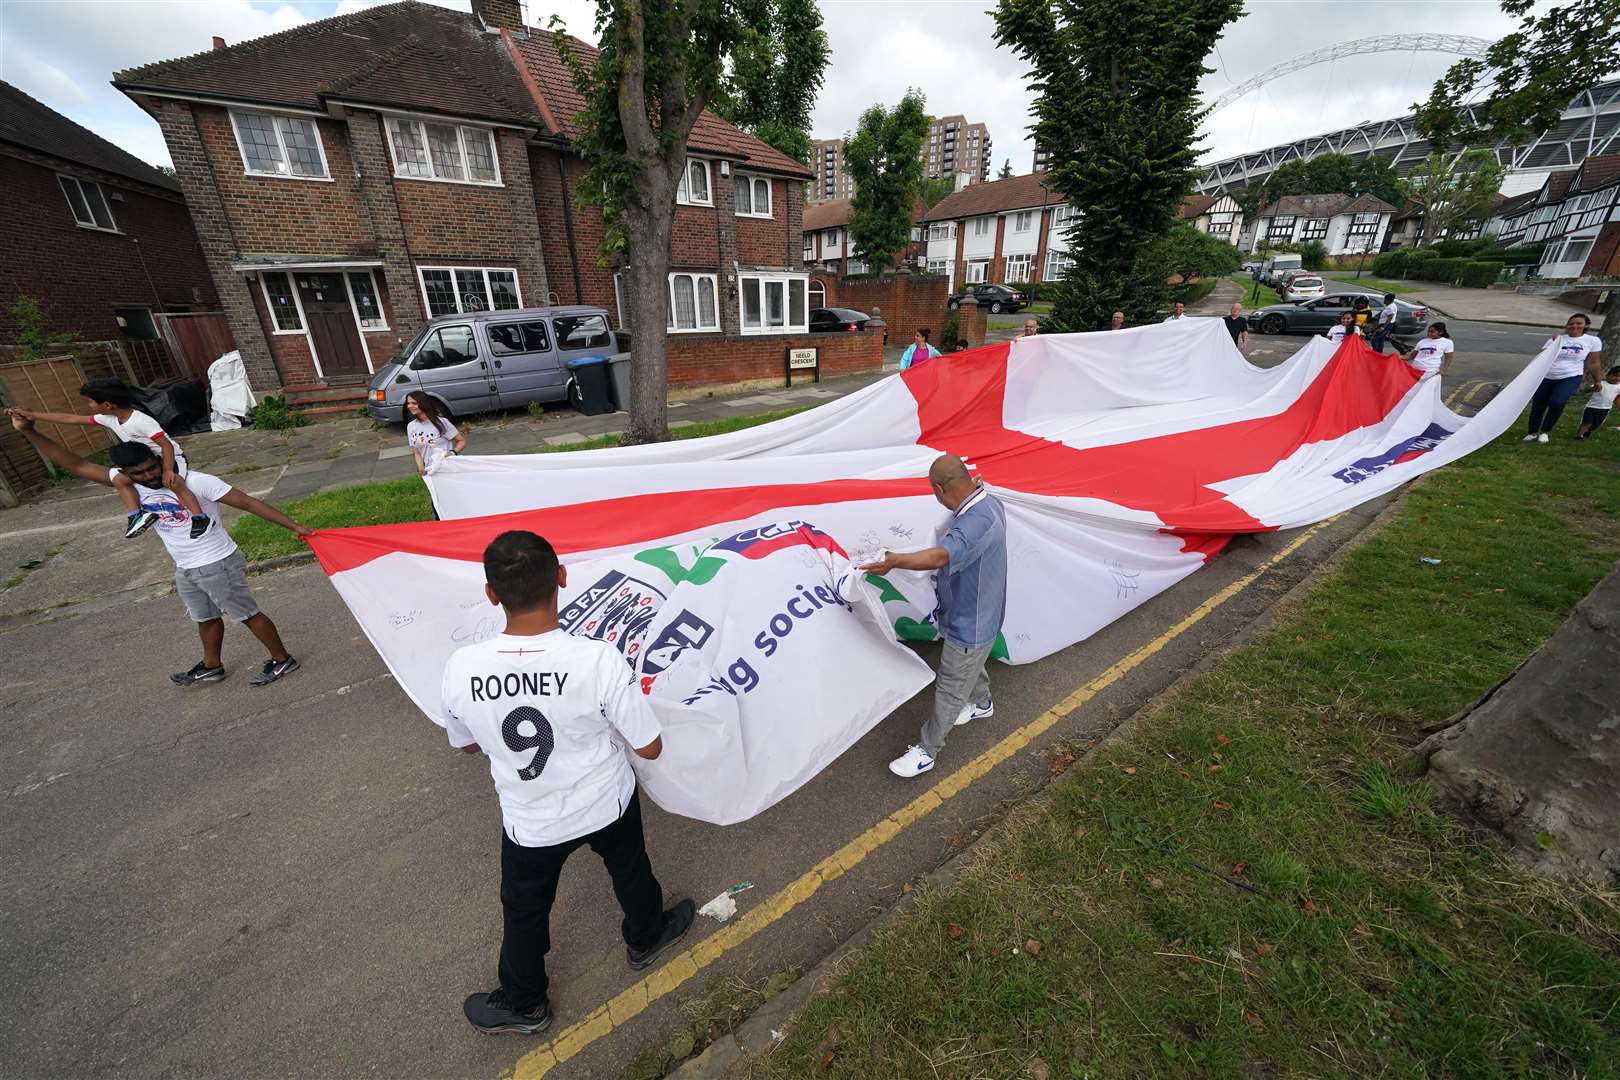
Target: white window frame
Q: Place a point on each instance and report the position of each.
(979, 266)
(697, 308)
(683, 197)
(618, 298)
(84, 194)
(1057, 260)
(942, 231)
(939, 266)
(1026, 260)
(766, 279)
(489, 291)
(298, 303)
(355, 307)
(281, 145)
(981, 226)
(390, 121)
(753, 180)
(1023, 221)
(1061, 213)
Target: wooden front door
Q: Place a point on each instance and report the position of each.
(331, 324)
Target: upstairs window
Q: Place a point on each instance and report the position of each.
(981, 226)
(454, 153)
(753, 196)
(88, 203)
(274, 145)
(694, 189)
(1023, 221)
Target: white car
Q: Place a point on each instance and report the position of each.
(1303, 287)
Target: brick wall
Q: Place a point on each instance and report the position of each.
(711, 360)
(79, 275)
(764, 242)
(908, 301)
(970, 322)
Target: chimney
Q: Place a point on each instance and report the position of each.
(963, 180)
(219, 42)
(500, 14)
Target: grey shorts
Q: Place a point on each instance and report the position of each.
(220, 588)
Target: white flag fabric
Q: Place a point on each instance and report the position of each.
(1125, 459)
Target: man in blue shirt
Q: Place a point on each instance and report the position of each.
(970, 586)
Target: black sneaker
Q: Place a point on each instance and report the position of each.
(200, 672)
(139, 522)
(199, 524)
(490, 1014)
(273, 670)
(677, 921)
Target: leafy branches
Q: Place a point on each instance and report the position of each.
(884, 158)
(779, 64)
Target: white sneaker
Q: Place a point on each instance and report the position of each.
(914, 762)
(1542, 437)
(1529, 438)
(971, 712)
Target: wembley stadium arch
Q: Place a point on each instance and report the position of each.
(1588, 127)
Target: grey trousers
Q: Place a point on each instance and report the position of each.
(961, 679)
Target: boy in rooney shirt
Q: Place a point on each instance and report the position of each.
(554, 713)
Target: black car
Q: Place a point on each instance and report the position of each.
(836, 320)
(993, 298)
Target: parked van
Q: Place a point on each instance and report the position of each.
(487, 360)
(1278, 265)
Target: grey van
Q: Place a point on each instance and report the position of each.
(487, 360)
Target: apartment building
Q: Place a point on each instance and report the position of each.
(957, 146)
(832, 178)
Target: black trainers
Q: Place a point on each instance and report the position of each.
(273, 670)
(677, 921)
(200, 672)
(490, 1014)
(199, 524)
(139, 522)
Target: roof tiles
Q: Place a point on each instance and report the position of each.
(31, 124)
(995, 196)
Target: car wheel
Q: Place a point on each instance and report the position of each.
(953, 304)
(995, 307)
(1273, 324)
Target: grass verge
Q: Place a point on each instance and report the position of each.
(391, 502)
(1253, 884)
(1368, 283)
(1268, 295)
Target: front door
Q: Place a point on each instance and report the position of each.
(331, 325)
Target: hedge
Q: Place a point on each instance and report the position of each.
(1477, 274)
(1391, 264)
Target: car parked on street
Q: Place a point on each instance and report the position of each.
(837, 320)
(1303, 287)
(993, 298)
(486, 360)
(1315, 316)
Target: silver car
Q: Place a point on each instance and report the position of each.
(487, 360)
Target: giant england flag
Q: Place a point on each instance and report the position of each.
(722, 567)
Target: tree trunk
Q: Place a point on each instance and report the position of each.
(1611, 328)
(1538, 757)
(649, 222)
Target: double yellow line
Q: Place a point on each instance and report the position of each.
(621, 1009)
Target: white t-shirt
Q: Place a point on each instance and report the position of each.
(1572, 353)
(1174, 318)
(1337, 331)
(139, 428)
(1431, 352)
(174, 521)
(1604, 396)
(1387, 313)
(554, 713)
(427, 440)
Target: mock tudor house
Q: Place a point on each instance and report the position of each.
(1576, 213)
(1217, 215)
(100, 238)
(999, 231)
(352, 177)
(1343, 224)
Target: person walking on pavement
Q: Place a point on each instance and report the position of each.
(970, 589)
(554, 713)
(1579, 352)
(210, 572)
(1386, 323)
(918, 351)
(1237, 326)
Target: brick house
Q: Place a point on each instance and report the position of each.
(1576, 213)
(100, 238)
(827, 245)
(1343, 224)
(999, 231)
(354, 176)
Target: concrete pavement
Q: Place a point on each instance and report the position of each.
(1480, 305)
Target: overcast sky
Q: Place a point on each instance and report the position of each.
(63, 52)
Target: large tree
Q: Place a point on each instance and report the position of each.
(779, 64)
(884, 158)
(1457, 191)
(1540, 756)
(1116, 106)
(659, 65)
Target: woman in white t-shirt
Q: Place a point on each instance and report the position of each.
(1579, 353)
(1345, 327)
(1433, 354)
(431, 435)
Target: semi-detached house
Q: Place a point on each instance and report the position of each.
(352, 177)
(1012, 230)
(1344, 224)
(1576, 213)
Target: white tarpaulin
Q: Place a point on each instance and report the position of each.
(230, 398)
(1125, 460)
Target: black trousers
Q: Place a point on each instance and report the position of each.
(529, 888)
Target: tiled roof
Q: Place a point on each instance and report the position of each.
(1597, 172)
(835, 212)
(1518, 204)
(416, 56)
(1324, 206)
(28, 123)
(995, 196)
(1193, 205)
(1557, 185)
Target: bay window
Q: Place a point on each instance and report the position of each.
(456, 153)
(276, 145)
(692, 304)
(773, 303)
(456, 290)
